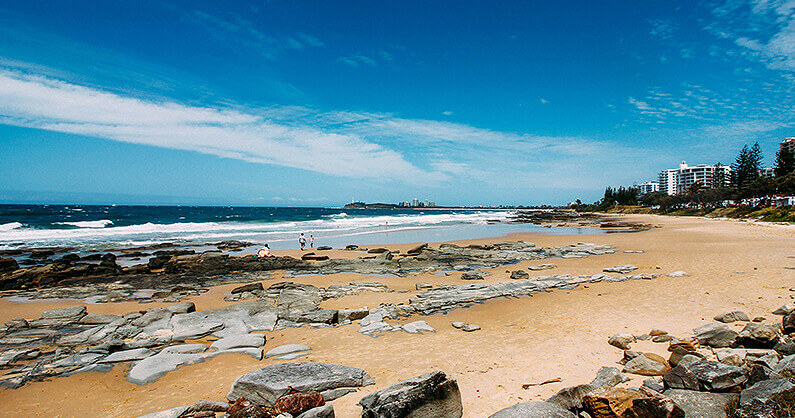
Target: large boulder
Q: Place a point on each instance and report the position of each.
(533, 410)
(757, 335)
(786, 366)
(718, 377)
(60, 317)
(656, 406)
(716, 335)
(264, 386)
(765, 390)
(608, 402)
(702, 404)
(429, 395)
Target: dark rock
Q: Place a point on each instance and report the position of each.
(534, 410)
(417, 250)
(429, 395)
(702, 404)
(758, 409)
(785, 346)
(717, 377)
(757, 335)
(788, 322)
(156, 263)
(377, 250)
(266, 385)
(314, 257)
(8, 265)
(323, 248)
(786, 367)
(716, 335)
(765, 389)
(248, 288)
(520, 275)
(653, 406)
(571, 398)
(680, 377)
(471, 276)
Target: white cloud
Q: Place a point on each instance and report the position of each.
(639, 104)
(448, 113)
(339, 143)
(54, 105)
(543, 101)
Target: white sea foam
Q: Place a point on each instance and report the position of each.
(9, 226)
(88, 224)
(103, 233)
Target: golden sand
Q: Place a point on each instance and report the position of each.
(562, 334)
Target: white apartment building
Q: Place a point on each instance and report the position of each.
(678, 180)
(648, 187)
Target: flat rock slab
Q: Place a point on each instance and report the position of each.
(239, 341)
(287, 349)
(128, 355)
(241, 318)
(168, 413)
(266, 385)
(152, 368)
(534, 410)
(292, 356)
(417, 327)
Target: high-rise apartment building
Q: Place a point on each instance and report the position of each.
(679, 180)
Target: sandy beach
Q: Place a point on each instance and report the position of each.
(561, 334)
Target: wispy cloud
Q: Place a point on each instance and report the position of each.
(235, 28)
(357, 61)
(339, 143)
(764, 29)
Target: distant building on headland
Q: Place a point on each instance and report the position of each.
(767, 172)
(415, 203)
(648, 187)
(679, 180)
(789, 144)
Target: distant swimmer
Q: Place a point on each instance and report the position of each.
(302, 241)
(311, 241)
(264, 251)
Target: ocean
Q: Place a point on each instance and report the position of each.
(91, 227)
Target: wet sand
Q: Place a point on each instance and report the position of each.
(561, 334)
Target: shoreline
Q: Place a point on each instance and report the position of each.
(562, 333)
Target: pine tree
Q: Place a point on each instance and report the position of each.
(746, 166)
(785, 162)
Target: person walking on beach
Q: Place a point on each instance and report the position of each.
(302, 241)
(311, 241)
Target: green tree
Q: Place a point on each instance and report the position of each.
(719, 178)
(785, 162)
(746, 166)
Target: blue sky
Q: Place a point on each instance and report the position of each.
(315, 103)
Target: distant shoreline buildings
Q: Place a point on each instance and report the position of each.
(679, 180)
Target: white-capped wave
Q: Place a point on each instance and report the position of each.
(88, 224)
(103, 232)
(11, 225)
